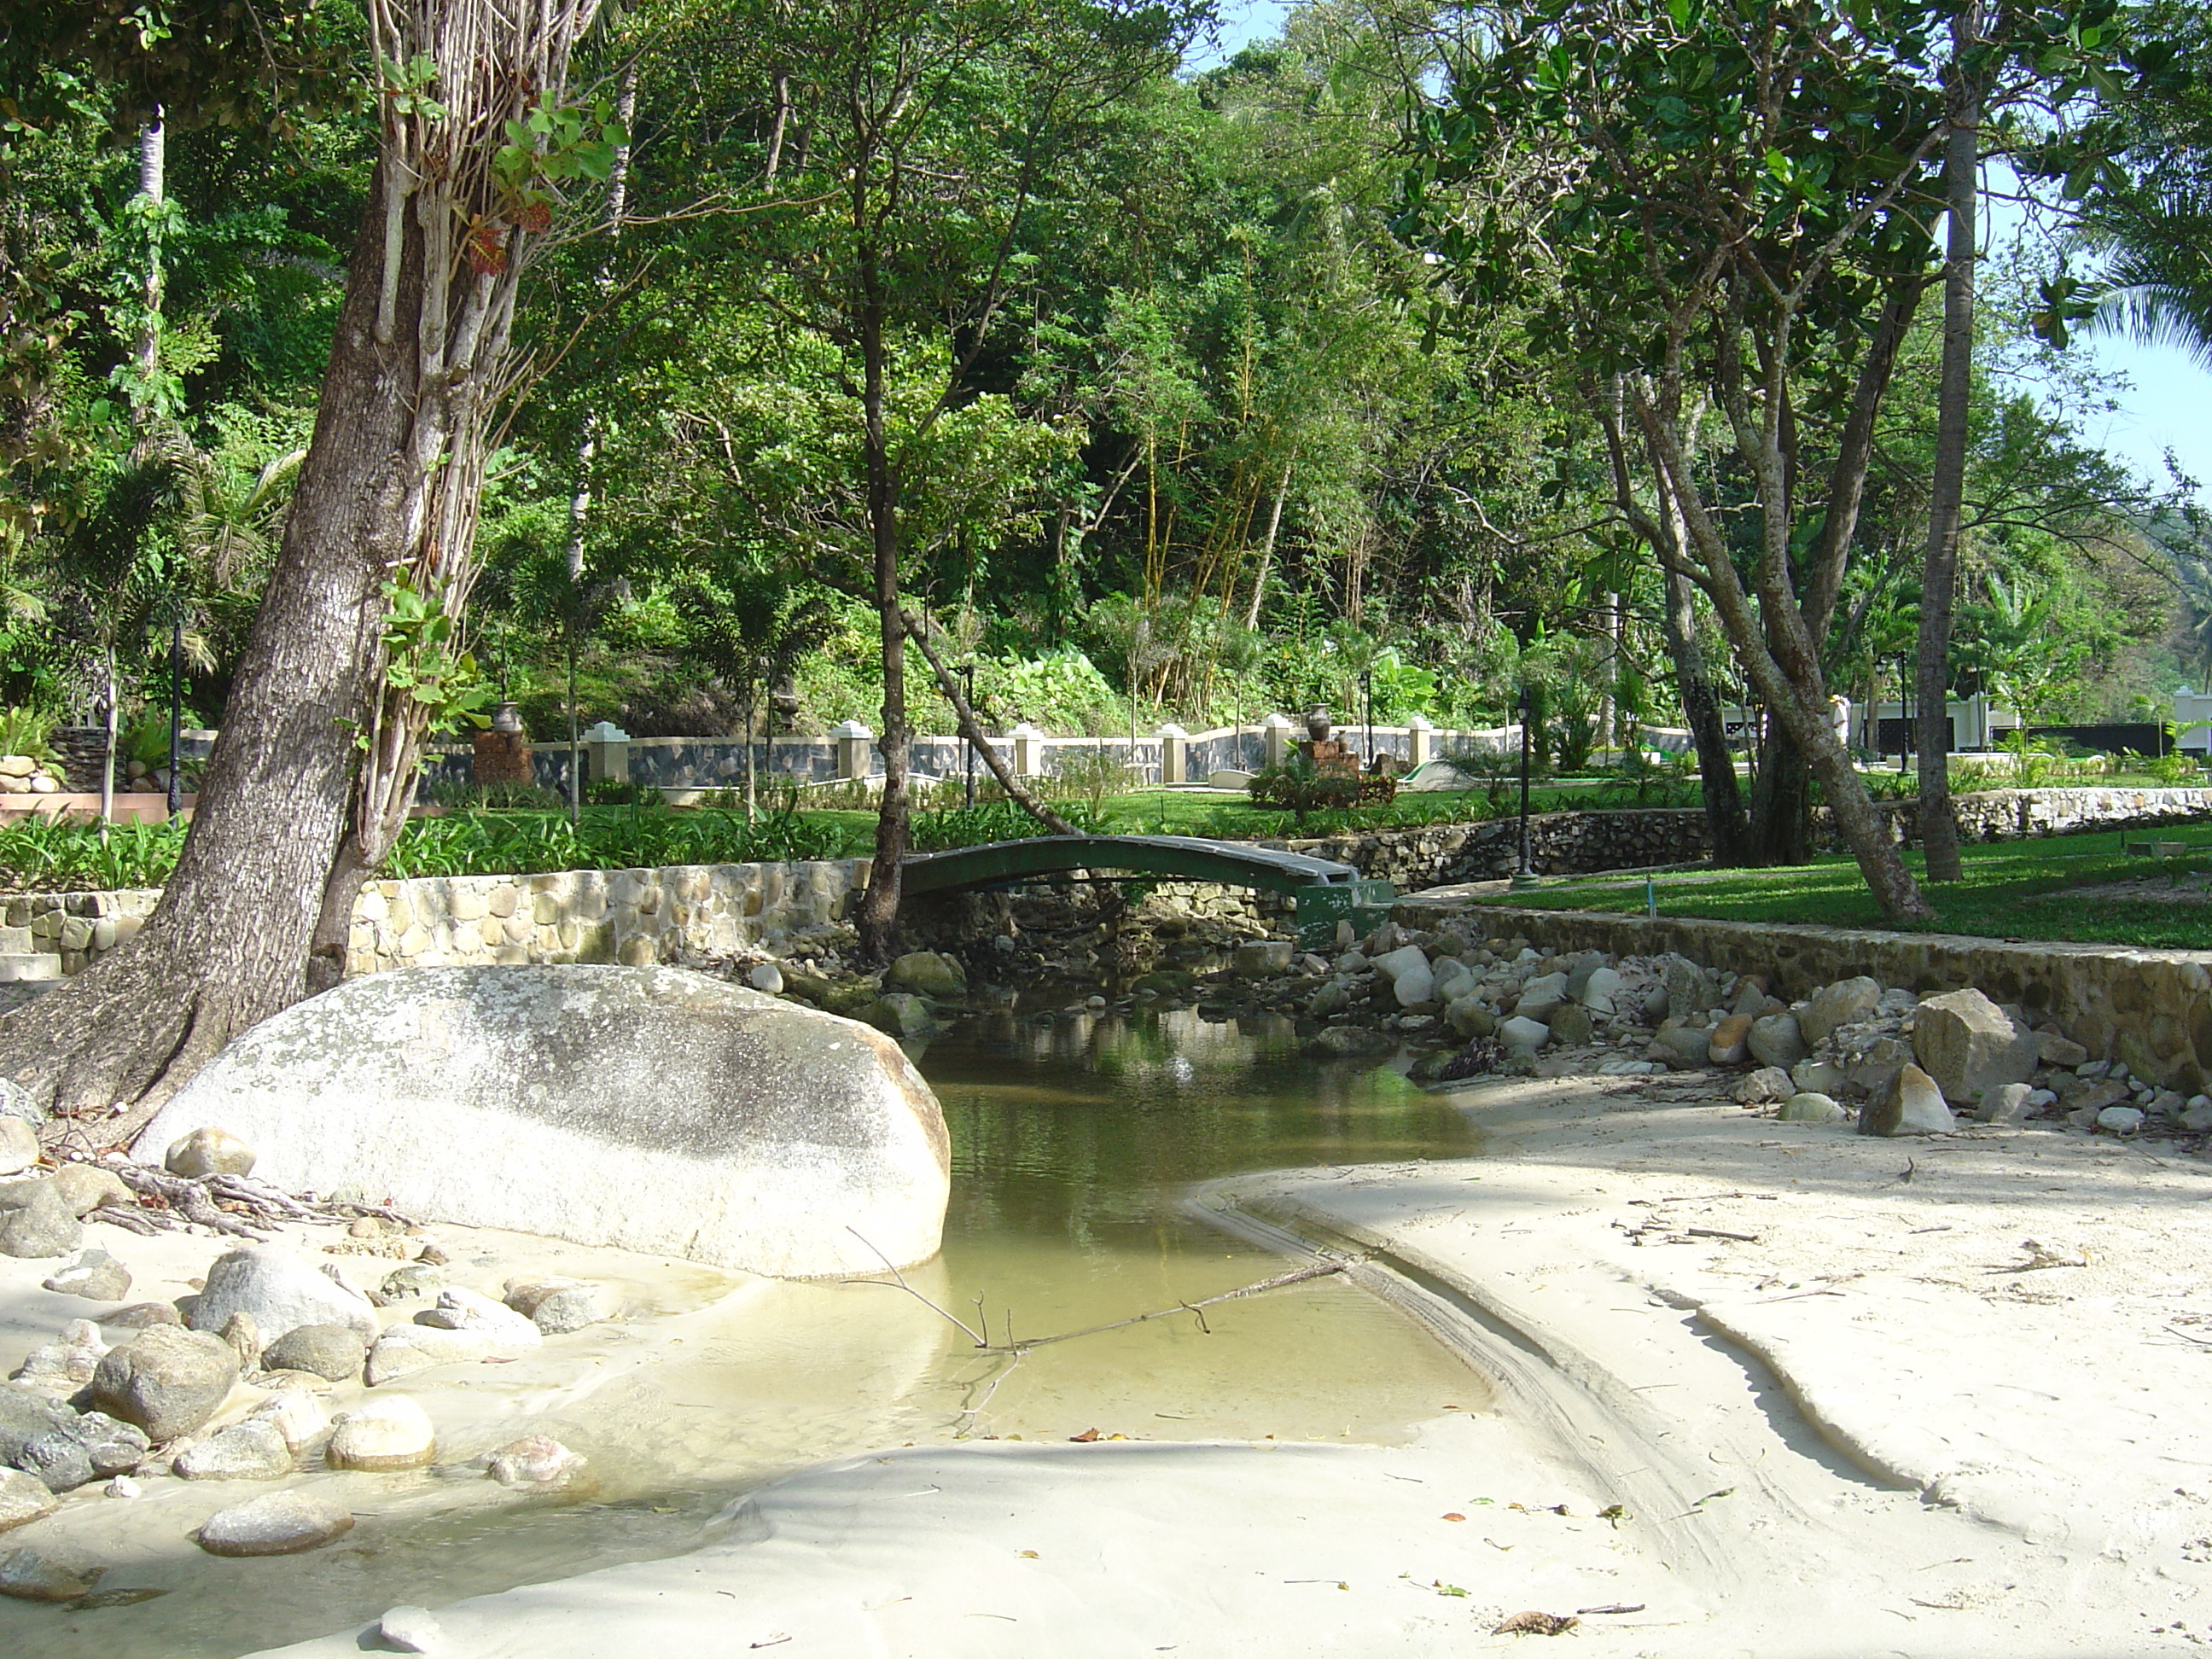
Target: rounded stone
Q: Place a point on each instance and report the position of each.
(19, 1146)
(207, 1150)
(168, 1381)
(255, 1449)
(36, 1220)
(2120, 1120)
(86, 1187)
(23, 1498)
(410, 1630)
(335, 1352)
(539, 1460)
(277, 1524)
(391, 1433)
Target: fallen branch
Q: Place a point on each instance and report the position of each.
(917, 630)
(1296, 1276)
(141, 1221)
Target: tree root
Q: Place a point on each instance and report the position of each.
(104, 1050)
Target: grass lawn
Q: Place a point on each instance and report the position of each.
(2078, 888)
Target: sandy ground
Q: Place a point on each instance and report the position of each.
(1781, 1390)
(1758, 1389)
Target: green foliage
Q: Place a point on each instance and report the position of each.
(46, 855)
(29, 732)
(1300, 787)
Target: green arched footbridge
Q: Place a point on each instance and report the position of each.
(1327, 893)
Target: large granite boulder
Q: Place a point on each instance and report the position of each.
(650, 1109)
(1970, 1046)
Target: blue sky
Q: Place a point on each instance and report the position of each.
(2167, 402)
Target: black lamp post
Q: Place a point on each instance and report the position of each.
(1526, 875)
(1367, 704)
(966, 743)
(1905, 710)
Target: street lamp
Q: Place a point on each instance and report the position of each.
(1367, 702)
(1526, 875)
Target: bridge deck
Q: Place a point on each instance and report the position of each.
(1238, 864)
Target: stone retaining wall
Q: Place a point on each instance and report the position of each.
(635, 917)
(2152, 1009)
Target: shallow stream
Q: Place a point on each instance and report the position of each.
(1073, 1137)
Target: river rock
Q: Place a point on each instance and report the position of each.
(2009, 1103)
(86, 1186)
(411, 1629)
(1690, 989)
(1452, 979)
(275, 1523)
(206, 1151)
(255, 1449)
(113, 1446)
(332, 1351)
(168, 1381)
(556, 1306)
(19, 1146)
(296, 1415)
(405, 1349)
(1776, 1041)
(93, 1274)
(2053, 1050)
(1871, 1069)
(24, 1417)
(1392, 962)
(649, 1108)
(15, 1102)
(1683, 1047)
(1415, 987)
(1542, 996)
(29, 1576)
(1571, 1024)
(415, 1278)
(765, 977)
(36, 1220)
(1524, 1034)
(392, 1432)
(1264, 959)
(1847, 1002)
(460, 1310)
(24, 1498)
(1912, 1105)
(57, 1459)
(1333, 998)
(1810, 1106)
(538, 1461)
(930, 973)
(900, 1014)
(1819, 1077)
(1347, 1043)
(1731, 1039)
(1970, 1046)
(1600, 991)
(281, 1291)
(1469, 1019)
(1757, 1088)
(2120, 1120)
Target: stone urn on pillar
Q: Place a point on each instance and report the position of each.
(502, 749)
(1318, 724)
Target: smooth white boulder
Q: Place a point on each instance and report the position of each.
(1407, 957)
(650, 1109)
(281, 1291)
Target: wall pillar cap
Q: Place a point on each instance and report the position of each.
(1277, 722)
(606, 732)
(850, 729)
(1025, 730)
(1169, 729)
(1420, 723)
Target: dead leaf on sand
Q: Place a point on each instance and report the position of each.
(1533, 1623)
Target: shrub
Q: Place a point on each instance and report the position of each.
(29, 732)
(1300, 787)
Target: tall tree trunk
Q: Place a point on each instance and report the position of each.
(1267, 549)
(877, 917)
(386, 487)
(1781, 802)
(1938, 831)
(1701, 709)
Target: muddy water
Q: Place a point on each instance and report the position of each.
(1072, 1138)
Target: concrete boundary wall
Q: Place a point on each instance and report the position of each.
(2152, 1009)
